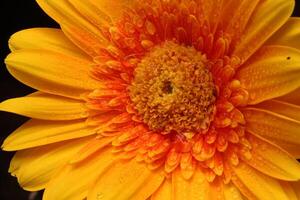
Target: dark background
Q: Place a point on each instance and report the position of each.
(17, 15)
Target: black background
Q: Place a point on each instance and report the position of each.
(17, 15)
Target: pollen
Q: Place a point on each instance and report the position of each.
(173, 89)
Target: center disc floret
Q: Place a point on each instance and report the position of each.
(173, 89)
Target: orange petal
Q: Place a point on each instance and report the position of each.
(229, 18)
(52, 72)
(34, 167)
(45, 38)
(288, 34)
(296, 188)
(164, 192)
(193, 189)
(212, 11)
(127, 180)
(289, 190)
(255, 185)
(79, 177)
(292, 97)
(272, 160)
(282, 108)
(38, 132)
(235, 22)
(272, 72)
(276, 128)
(267, 18)
(46, 106)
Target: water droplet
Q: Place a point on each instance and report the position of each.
(100, 196)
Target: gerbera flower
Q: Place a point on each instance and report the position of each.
(159, 99)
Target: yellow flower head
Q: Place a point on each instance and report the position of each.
(160, 100)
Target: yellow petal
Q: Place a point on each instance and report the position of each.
(292, 97)
(127, 180)
(272, 160)
(52, 72)
(34, 167)
(255, 185)
(92, 147)
(79, 178)
(231, 192)
(86, 14)
(276, 128)
(267, 18)
(46, 106)
(87, 17)
(39, 132)
(45, 38)
(193, 189)
(114, 9)
(287, 187)
(288, 34)
(63, 12)
(87, 41)
(164, 192)
(97, 11)
(272, 72)
(282, 108)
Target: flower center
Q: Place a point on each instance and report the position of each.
(173, 89)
